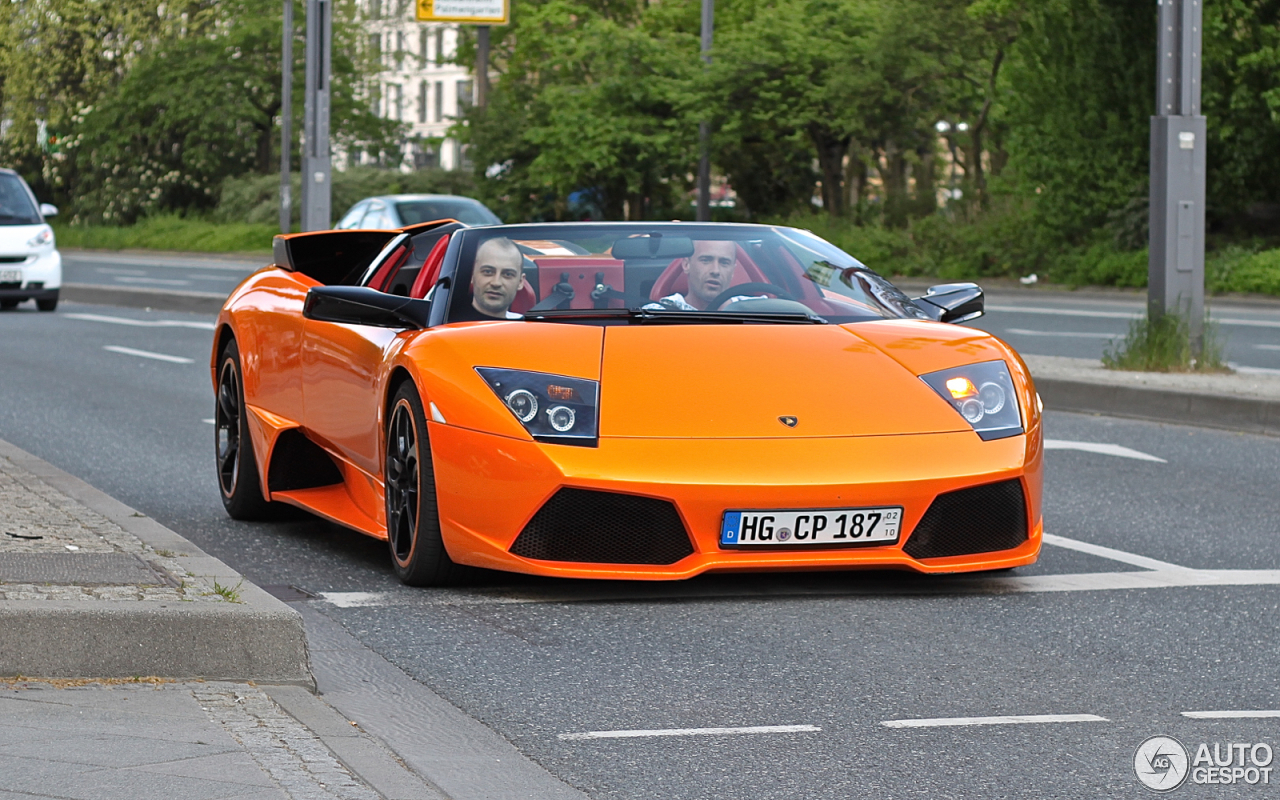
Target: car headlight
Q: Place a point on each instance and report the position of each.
(44, 237)
(552, 408)
(983, 394)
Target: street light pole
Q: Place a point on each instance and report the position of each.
(316, 161)
(704, 130)
(1175, 266)
(286, 118)
(482, 66)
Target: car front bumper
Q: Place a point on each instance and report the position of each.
(41, 277)
(489, 488)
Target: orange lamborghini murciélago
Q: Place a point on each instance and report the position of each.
(624, 400)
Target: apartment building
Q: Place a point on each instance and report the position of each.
(418, 85)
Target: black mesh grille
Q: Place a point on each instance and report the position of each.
(604, 528)
(983, 519)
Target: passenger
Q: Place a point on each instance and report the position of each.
(495, 280)
(709, 271)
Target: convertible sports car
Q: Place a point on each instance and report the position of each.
(624, 400)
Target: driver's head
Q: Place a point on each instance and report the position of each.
(710, 269)
(496, 277)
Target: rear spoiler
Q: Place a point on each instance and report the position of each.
(336, 258)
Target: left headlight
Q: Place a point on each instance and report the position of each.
(44, 237)
(983, 394)
(552, 408)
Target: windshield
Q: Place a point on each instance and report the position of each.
(672, 272)
(16, 207)
(463, 210)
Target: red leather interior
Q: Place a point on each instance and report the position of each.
(525, 298)
(388, 268)
(430, 269)
(582, 277)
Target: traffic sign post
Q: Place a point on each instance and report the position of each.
(482, 14)
(317, 167)
(1175, 266)
(286, 118)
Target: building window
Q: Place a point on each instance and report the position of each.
(375, 9)
(439, 101)
(375, 47)
(422, 101)
(440, 47)
(400, 50)
(464, 97)
(423, 38)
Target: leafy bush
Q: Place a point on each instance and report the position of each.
(256, 198)
(1163, 344)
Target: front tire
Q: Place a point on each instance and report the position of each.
(413, 519)
(48, 304)
(238, 478)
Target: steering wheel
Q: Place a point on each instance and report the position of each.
(746, 289)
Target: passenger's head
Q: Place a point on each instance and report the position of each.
(710, 269)
(496, 277)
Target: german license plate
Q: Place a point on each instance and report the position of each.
(824, 526)
(10, 276)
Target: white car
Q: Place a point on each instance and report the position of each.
(392, 211)
(30, 265)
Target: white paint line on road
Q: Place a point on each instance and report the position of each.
(353, 599)
(1102, 449)
(690, 732)
(157, 281)
(144, 323)
(1231, 714)
(1252, 370)
(1069, 334)
(1115, 555)
(1266, 347)
(1250, 323)
(210, 421)
(1021, 719)
(108, 271)
(129, 351)
(1065, 312)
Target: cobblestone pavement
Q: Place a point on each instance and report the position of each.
(38, 520)
(194, 741)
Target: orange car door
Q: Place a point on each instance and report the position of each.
(270, 322)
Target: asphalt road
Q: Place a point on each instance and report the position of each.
(559, 667)
(185, 273)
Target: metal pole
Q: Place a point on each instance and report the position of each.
(316, 158)
(1175, 266)
(286, 118)
(482, 66)
(704, 130)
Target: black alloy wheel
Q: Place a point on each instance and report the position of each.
(238, 479)
(413, 520)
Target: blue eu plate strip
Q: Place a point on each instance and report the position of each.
(731, 527)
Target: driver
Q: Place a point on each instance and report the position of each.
(495, 279)
(709, 271)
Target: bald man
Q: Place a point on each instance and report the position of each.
(495, 279)
(709, 271)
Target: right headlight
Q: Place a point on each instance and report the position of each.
(983, 394)
(552, 408)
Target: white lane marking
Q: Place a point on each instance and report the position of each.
(1266, 347)
(1065, 312)
(1251, 323)
(1231, 714)
(353, 599)
(1252, 370)
(210, 421)
(159, 281)
(690, 732)
(1103, 449)
(144, 323)
(1025, 332)
(1020, 719)
(129, 351)
(108, 271)
(1115, 555)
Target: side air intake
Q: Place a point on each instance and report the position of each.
(982, 519)
(604, 528)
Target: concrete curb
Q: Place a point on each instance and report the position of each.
(160, 299)
(258, 638)
(1246, 414)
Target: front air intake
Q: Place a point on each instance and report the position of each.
(983, 519)
(604, 528)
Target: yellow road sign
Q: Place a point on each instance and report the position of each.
(474, 12)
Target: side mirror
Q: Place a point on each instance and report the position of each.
(952, 302)
(360, 305)
(48, 210)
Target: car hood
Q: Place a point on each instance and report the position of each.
(14, 238)
(750, 381)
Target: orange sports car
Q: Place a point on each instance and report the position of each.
(624, 400)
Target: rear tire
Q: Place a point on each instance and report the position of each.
(9, 305)
(47, 305)
(238, 479)
(417, 550)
